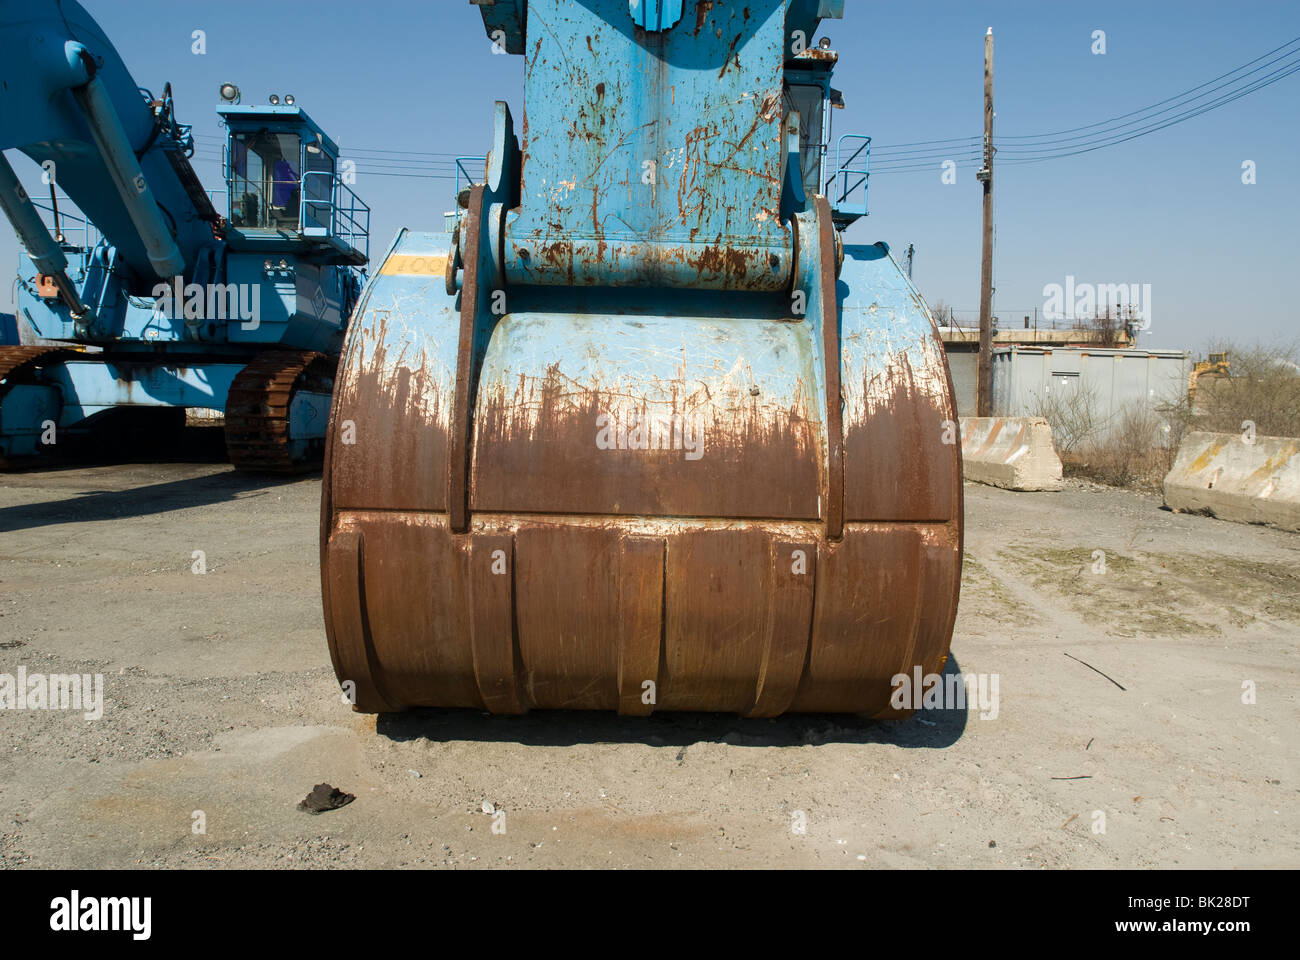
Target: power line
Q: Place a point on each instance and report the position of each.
(1205, 108)
(920, 143)
(1036, 153)
(344, 151)
(921, 155)
(1234, 94)
(371, 168)
(1154, 105)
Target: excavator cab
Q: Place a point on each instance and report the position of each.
(280, 170)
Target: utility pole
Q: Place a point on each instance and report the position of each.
(984, 388)
(910, 250)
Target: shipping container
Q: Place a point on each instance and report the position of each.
(1090, 386)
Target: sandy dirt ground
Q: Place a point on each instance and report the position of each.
(219, 698)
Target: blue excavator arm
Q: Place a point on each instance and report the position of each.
(69, 103)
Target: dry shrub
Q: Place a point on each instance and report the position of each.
(1136, 452)
(1133, 448)
(1072, 415)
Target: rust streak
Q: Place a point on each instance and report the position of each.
(702, 8)
(731, 55)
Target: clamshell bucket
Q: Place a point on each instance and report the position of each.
(615, 445)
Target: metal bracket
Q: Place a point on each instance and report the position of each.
(655, 15)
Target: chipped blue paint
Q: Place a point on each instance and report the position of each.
(683, 294)
(660, 161)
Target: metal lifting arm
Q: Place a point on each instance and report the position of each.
(69, 103)
(119, 160)
(45, 253)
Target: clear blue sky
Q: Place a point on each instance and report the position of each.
(1168, 209)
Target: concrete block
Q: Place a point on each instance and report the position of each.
(1011, 452)
(1222, 474)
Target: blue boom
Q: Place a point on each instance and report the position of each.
(237, 307)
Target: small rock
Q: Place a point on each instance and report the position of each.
(488, 808)
(324, 797)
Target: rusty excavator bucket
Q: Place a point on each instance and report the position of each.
(641, 432)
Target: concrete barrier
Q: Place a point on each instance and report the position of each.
(1223, 475)
(1011, 452)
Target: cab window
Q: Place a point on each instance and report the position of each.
(265, 180)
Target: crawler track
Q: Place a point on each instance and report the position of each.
(257, 410)
(16, 365)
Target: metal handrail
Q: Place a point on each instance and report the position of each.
(845, 168)
(469, 178)
(338, 212)
(254, 187)
(348, 215)
(69, 223)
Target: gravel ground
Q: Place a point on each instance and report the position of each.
(221, 708)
